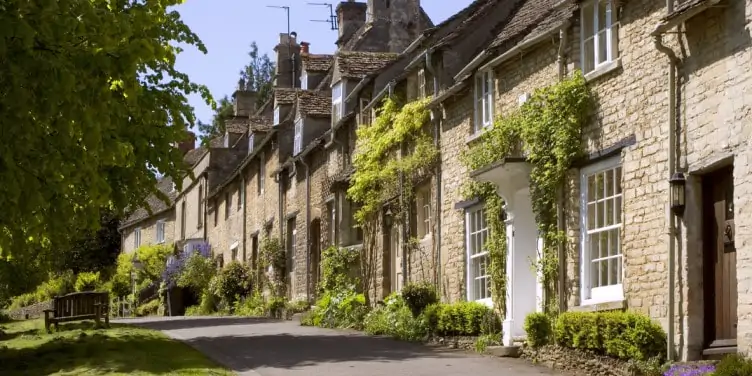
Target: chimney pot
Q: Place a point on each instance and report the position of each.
(304, 48)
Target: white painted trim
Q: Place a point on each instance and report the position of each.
(478, 122)
(611, 22)
(604, 294)
(298, 137)
(469, 276)
(234, 245)
(276, 115)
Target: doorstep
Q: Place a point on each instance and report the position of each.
(504, 351)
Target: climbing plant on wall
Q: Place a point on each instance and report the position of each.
(548, 129)
(273, 255)
(391, 154)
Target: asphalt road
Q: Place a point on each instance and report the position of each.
(257, 347)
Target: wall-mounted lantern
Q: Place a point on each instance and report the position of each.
(678, 185)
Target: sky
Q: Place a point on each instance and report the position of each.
(227, 28)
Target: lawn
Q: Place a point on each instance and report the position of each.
(79, 349)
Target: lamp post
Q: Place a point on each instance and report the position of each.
(678, 185)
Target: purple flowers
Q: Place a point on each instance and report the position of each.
(690, 370)
(175, 264)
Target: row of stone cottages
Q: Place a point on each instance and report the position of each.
(648, 211)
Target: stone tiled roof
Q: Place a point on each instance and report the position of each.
(353, 64)
(469, 15)
(317, 63)
(284, 95)
(313, 103)
(236, 125)
(224, 162)
(531, 18)
(156, 204)
(193, 156)
(229, 177)
(327, 81)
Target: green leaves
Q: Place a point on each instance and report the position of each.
(547, 131)
(90, 103)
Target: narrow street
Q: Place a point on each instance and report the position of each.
(259, 347)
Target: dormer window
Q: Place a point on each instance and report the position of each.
(276, 115)
(304, 81)
(337, 108)
(298, 144)
(250, 142)
(483, 100)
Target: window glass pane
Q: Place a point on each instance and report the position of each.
(587, 20)
(617, 214)
(613, 237)
(590, 216)
(603, 240)
(613, 270)
(591, 188)
(618, 180)
(614, 41)
(589, 55)
(594, 243)
(594, 274)
(602, 47)
(609, 179)
(603, 278)
(603, 9)
(600, 209)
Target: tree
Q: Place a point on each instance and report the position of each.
(93, 251)
(258, 75)
(90, 109)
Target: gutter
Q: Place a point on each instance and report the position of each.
(519, 48)
(669, 23)
(672, 123)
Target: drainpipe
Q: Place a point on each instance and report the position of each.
(437, 143)
(561, 223)
(245, 208)
(308, 228)
(672, 125)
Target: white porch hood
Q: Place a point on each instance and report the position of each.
(524, 290)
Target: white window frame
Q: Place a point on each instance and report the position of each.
(261, 173)
(612, 292)
(137, 238)
(484, 100)
(365, 116)
(304, 80)
(423, 206)
(477, 236)
(251, 138)
(298, 140)
(160, 231)
(276, 115)
(234, 251)
(609, 32)
(226, 141)
(422, 83)
(338, 92)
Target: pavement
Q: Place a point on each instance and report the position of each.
(261, 347)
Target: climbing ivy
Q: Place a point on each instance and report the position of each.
(378, 165)
(392, 154)
(273, 255)
(496, 243)
(547, 130)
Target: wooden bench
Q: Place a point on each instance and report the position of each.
(78, 306)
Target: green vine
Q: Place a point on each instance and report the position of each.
(272, 254)
(547, 129)
(496, 243)
(392, 154)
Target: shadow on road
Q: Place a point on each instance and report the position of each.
(288, 351)
(175, 323)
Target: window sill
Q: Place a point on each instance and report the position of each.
(603, 70)
(598, 306)
(473, 137)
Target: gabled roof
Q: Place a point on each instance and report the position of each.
(155, 203)
(317, 63)
(236, 124)
(193, 156)
(353, 64)
(361, 35)
(313, 103)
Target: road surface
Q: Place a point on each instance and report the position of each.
(259, 347)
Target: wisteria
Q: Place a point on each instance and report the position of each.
(175, 264)
(690, 370)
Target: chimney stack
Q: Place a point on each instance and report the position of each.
(288, 61)
(188, 144)
(351, 16)
(244, 100)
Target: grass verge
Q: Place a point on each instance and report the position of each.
(80, 349)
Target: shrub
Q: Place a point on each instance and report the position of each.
(193, 311)
(275, 307)
(235, 282)
(482, 343)
(4, 317)
(340, 309)
(538, 329)
(148, 309)
(87, 281)
(395, 319)
(209, 303)
(297, 306)
(251, 306)
(466, 319)
(733, 365)
(418, 296)
(430, 317)
(337, 265)
(624, 335)
(197, 271)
